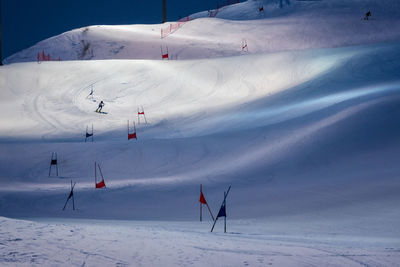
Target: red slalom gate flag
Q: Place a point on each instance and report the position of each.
(100, 184)
(132, 135)
(164, 56)
(202, 199)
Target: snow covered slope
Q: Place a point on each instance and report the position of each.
(300, 25)
(318, 122)
(305, 129)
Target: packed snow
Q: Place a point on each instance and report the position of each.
(303, 125)
(133, 243)
(298, 26)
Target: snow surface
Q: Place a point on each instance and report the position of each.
(304, 127)
(300, 25)
(126, 243)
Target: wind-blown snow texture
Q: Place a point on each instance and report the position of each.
(304, 127)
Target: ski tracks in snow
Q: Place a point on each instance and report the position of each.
(95, 243)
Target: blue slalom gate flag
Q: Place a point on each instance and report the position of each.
(222, 211)
(71, 194)
(88, 134)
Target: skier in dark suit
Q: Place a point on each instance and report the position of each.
(101, 105)
(367, 15)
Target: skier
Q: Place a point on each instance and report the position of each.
(367, 15)
(101, 105)
(91, 93)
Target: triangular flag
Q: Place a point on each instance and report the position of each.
(202, 199)
(100, 184)
(222, 211)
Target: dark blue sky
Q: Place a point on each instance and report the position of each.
(26, 22)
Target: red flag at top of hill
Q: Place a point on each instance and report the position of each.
(203, 202)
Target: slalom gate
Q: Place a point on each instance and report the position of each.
(100, 184)
(133, 134)
(164, 53)
(141, 113)
(53, 162)
(88, 135)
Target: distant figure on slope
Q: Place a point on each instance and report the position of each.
(367, 15)
(101, 105)
(91, 93)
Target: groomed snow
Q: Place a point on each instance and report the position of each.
(304, 129)
(298, 26)
(127, 243)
